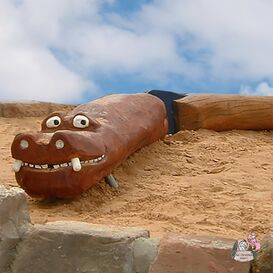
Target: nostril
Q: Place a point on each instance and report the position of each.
(59, 144)
(24, 144)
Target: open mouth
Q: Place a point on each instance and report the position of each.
(75, 163)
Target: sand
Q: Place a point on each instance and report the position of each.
(195, 182)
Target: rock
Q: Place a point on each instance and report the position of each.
(1, 110)
(60, 107)
(196, 254)
(14, 222)
(31, 109)
(145, 250)
(263, 263)
(71, 247)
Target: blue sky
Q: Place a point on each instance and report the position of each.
(124, 8)
(78, 50)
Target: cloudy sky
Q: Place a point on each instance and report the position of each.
(77, 50)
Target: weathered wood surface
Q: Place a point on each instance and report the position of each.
(224, 112)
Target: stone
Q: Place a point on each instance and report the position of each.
(24, 109)
(53, 107)
(145, 251)
(31, 109)
(1, 110)
(14, 222)
(263, 263)
(196, 254)
(76, 247)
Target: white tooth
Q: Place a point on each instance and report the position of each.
(26, 164)
(91, 161)
(96, 160)
(38, 167)
(17, 165)
(100, 158)
(45, 166)
(64, 165)
(31, 165)
(69, 163)
(76, 164)
(86, 161)
(56, 166)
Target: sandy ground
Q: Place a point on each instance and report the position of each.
(200, 182)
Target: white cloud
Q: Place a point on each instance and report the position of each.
(237, 33)
(201, 40)
(262, 89)
(28, 69)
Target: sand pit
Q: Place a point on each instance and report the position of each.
(200, 182)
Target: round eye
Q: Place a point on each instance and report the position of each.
(53, 122)
(80, 121)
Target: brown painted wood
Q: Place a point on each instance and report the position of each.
(224, 112)
(117, 126)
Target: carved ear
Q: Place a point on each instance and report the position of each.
(59, 114)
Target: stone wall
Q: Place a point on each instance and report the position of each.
(78, 247)
(31, 109)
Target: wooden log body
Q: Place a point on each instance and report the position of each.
(75, 150)
(224, 112)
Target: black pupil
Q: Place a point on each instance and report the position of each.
(56, 122)
(83, 122)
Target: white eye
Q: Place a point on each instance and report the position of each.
(53, 122)
(80, 121)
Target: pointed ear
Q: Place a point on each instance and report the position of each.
(59, 114)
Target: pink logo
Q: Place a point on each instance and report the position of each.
(254, 244)
(246, 250)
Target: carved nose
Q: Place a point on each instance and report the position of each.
(29, 141)
(44, 139)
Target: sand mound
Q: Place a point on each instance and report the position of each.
(199, 182)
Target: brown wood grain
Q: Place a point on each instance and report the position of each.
(224, 112)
